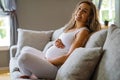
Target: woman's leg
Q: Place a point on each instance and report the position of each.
(33, 64)
(28, 49)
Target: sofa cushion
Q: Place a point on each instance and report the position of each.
(36, 39)
(109, 68)
(97, 39)
(80, 64)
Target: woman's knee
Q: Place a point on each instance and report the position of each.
(23, 58)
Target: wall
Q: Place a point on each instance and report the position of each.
(44, 14)
(4, 58)
(41, 15)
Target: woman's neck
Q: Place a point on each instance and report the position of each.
(79, 24)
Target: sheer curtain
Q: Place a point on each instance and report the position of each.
(117, 12)
(9, 7)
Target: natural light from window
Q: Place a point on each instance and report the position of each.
(107, 11)
(4, 30)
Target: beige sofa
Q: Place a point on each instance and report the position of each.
(99, 60)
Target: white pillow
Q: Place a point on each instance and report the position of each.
(97, 39)
(80, 64)
(36, 39)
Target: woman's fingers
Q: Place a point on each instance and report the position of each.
(59, 43)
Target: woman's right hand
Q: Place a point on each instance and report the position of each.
(59, 44)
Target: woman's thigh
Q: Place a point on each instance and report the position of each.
(37, 65)
(33, 51)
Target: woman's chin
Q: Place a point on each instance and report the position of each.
(77, 19)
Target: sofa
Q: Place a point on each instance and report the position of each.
(98, 60)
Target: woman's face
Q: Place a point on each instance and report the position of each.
(83, 12)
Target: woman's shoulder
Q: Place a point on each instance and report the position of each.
(83, 29)
(82, 32)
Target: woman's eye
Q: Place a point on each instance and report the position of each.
(79, 9)
(82, 10)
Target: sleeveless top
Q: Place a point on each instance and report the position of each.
(67, 39)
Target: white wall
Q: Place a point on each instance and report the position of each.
(44, 14)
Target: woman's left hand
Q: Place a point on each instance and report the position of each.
(59, 44)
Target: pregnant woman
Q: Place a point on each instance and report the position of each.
(32, 61)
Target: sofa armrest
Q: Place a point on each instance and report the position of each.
(13, 50)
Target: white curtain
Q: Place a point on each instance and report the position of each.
(117, 12)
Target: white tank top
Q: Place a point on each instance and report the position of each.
(67, 39)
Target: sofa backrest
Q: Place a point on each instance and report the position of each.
(109, 67)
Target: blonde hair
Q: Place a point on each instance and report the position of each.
(92, 23)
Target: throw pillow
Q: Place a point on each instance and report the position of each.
(97, 39)
(109, 68)
(80, 64)
(36, 39)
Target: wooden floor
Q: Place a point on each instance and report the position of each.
(4, 75)
(4, 71)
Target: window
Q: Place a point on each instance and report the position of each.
(107, 10)
(4, 30)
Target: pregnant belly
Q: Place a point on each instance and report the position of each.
(54, 52)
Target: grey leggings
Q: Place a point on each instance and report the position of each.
(32, 61)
